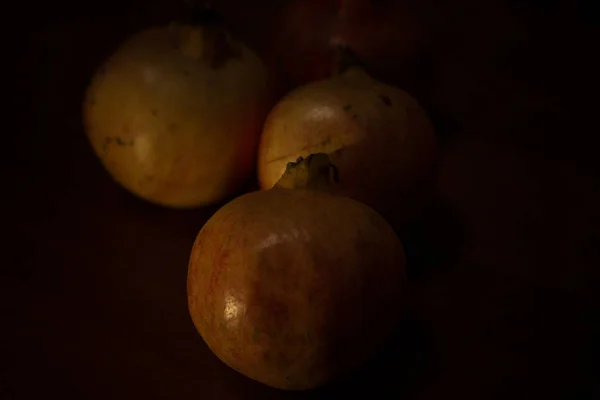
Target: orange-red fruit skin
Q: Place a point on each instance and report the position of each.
(294, 287)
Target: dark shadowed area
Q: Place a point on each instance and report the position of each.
(503, 267)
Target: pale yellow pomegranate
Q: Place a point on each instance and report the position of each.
(295, 285)
(377, 135)
(175, 114)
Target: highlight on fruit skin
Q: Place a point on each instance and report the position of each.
(378, 136)
(296, 285)
(175, 114)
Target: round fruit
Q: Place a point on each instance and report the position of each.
(385, 35)
(298, 38)
(377, 135)
(295, 285)
(175, 114)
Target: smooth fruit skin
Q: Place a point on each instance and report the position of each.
(377, 135)
(294, 287)
(175, 115)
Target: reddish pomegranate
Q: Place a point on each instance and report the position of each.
(384, 35)
(296, 285)
(298, 38)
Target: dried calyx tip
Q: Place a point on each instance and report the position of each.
(315, 171)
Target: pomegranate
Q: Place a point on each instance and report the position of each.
(299, 38)
(296, 285)
(175, 114)
(377, 135)
(384, 35)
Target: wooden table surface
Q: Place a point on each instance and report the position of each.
(503, 269)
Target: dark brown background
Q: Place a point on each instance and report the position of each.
(504, 269)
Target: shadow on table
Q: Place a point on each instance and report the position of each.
(395, 370)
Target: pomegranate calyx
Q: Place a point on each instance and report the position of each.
(315, 172)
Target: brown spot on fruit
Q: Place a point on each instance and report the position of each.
(118, 140)
(173, 127)
(121, 142)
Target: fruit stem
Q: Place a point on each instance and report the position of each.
(315, 172)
